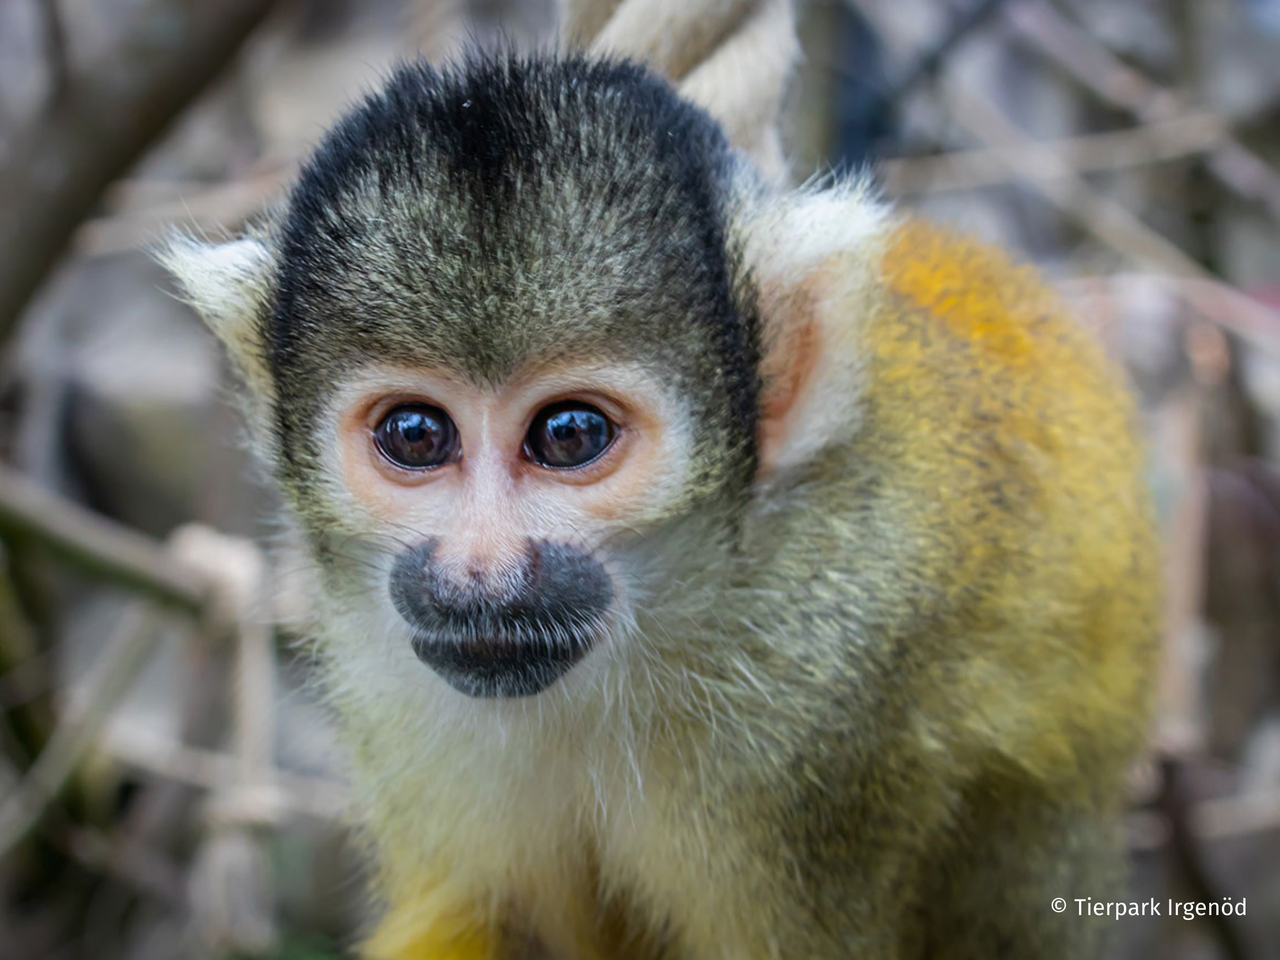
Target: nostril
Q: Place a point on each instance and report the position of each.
(472, 587)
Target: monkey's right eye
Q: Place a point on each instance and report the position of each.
(417, 436)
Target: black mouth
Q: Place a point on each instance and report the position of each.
(498, 666)
(511, 643)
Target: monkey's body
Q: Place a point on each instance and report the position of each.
(951, 702)
(873, 699)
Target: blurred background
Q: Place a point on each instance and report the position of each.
(168, 784)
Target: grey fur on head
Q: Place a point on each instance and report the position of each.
(516, 211)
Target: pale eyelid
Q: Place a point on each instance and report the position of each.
(378, 405)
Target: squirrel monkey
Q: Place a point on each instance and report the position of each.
(700, 569)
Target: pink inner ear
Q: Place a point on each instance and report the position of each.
(786, 372)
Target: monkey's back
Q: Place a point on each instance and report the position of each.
(1001, 417)
(1004, 579)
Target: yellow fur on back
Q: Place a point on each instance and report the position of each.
(1029, 390)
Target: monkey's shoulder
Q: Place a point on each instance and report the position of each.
(977, 298)
(959, 332)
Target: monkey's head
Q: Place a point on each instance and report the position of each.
(505, 348)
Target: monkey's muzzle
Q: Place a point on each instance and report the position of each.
(510, 642)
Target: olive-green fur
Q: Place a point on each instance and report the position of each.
(878, 704)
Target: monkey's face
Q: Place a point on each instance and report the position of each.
(500, 508)
(503, 348)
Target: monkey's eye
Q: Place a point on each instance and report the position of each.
(417, 436)
(569, 434)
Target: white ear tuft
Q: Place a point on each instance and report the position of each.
(228, 284)
(797, 233)
(814, 256)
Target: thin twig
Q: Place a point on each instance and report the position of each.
(139, 865)
(55, 49)
(319, 797)
(927, 64)
(1099, 70)
(1219, 818)
(1063, 187)
(1091, 153)
(1069, 192)
(56, 167)
(94, 543)
(1106, 220)
(1243, 315)
(114, 672)
(246, 797)
(18, 645)
(24, 705)
(224, 206)
(1189, 856)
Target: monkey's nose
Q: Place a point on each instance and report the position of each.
(475, 585)
(510, 637)
(453, 573)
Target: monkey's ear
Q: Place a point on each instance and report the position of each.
(229, 285)
(814, 256)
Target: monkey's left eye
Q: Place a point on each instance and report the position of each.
(569, 434)
(417, 436)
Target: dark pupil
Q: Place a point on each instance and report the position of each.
(570, 436)
(416, 436)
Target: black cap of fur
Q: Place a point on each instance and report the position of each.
(514, 211)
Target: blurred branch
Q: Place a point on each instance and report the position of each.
(221, 207)
(967, 169)
(17, 637)
(1055, 179)
(1063, 187)
(211, 770)
(117, 666)
(1252, 320)
(1218, 818)
(55, 48)
(95, 543)
(926, 65)
(22, 674)
(1189, 854)
(234, 898)
(1179, 692)
(1235, 816)
(57, 168)
(1099, 70)
(230, 573)
(141, 867)
(733, 58)
(255, 720)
